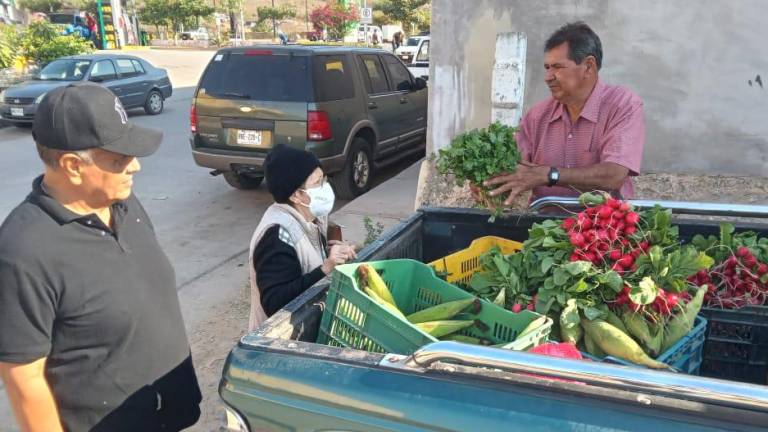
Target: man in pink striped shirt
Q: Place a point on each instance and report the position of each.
(588, 136)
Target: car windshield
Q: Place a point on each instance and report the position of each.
(65, 70)
(412, 42)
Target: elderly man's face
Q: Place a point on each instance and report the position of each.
(566, 79)
(109, 178)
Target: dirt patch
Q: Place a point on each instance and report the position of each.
(211, 341)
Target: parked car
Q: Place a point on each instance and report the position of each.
(357, 109)
(408, 50)
(198, 34)
(419, 66)
(135, 81)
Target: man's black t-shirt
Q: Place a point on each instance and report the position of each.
(102, 306)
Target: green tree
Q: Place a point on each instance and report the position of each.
(46, 6)
(156, 13)
(173, 14)
(275, 14)
(380, 18)
(404, 11)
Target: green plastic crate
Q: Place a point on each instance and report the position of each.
(351, 319)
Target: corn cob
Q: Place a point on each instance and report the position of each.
(618, 344)
(372, 294)
(370, 278)
(443, 327)
(443, 311)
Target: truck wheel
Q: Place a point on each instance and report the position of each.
(356, 177)
(242, 181)
(154, 103)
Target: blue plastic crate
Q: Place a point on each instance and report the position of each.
(684, 356)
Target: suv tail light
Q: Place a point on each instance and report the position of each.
(193, 118)
(318, 126)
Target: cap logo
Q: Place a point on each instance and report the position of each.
(121, 111)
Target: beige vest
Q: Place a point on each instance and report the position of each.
(294, 229)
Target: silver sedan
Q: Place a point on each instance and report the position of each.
(135, 81)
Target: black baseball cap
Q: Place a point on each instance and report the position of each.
(82, 116)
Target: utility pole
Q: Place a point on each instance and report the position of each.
(274, 22)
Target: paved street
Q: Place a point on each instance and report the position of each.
(203, 224)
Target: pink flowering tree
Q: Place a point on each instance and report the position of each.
(335, 17)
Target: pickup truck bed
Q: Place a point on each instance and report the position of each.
(278, 379)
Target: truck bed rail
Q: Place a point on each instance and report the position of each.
(680, 207)
(694, 388)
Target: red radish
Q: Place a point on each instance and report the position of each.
(530, 307)
(742, 252)
(575, 257)
(577, 240)
(615, 254)
(630, 230)
(602, 234)
(618, 215)
(624, 206)
(517, 307)
(632, 218)
(636, 253)
(568, 223)
(645, 245)
(613, 203)
(625, 261)
(750, 261)
(762, 269)
(605, 212)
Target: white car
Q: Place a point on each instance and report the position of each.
(199, 34)
(419, 66)
(408, 50)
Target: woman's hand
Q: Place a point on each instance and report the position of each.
(340, 253)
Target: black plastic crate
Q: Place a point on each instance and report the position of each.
(736, 347)
(734, 371)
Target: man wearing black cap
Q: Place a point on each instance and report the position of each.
(92, 335)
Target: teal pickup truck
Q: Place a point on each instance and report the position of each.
(278, 379)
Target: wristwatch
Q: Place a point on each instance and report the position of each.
(553, 176)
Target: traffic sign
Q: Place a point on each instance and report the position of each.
(366, 15)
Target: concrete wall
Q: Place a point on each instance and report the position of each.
(695, 64)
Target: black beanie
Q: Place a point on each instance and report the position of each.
(286, 169)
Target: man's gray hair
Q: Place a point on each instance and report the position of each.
(50, 157)
(582, 42)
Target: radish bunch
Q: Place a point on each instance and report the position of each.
(603, 235)
(664, 304)
(738, 281)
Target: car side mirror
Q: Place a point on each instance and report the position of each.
(419, 84)
(97, 79)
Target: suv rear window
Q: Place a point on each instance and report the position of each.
(258, 75)
(333, 78)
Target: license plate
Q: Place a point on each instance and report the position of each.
(249, 137)
(17, 112)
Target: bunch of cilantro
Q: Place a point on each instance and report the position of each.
(479, 155)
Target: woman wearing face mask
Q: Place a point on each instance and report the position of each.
(288, 251)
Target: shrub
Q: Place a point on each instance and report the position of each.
(41, 43)
(8, 46)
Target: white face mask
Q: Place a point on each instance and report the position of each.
(321, 200)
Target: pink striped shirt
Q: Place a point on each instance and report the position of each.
(610, 128)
